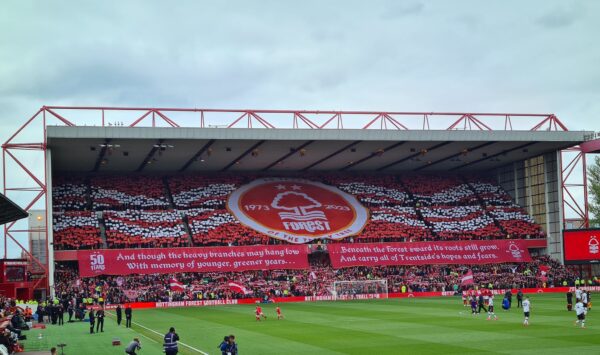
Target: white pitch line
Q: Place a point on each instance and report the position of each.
(155, 332)
(145, 336)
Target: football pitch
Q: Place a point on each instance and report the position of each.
(392, 326)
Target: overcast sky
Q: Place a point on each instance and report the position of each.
(478, 56)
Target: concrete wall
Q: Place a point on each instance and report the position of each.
(535, 185)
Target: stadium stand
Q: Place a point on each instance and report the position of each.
(76, 230)
(460, 222)
(132, 228)
(121, 192)
(314, 282)
(181, 210)
(69, 193)
(193, 191)
(516, 222)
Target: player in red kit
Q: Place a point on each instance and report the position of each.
(259, 313)
(279, 315)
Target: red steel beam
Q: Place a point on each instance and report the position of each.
(412, 113)
(468, 119)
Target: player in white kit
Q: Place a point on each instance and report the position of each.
(577, 294)
(580, 311)
(526, 306)
(491, 308)
(584, 300)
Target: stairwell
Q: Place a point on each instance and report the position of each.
(169, 195)
(414, 205)
(100, 216)
(88, 194)
(167, 191)
(188, 230)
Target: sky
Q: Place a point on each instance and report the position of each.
(472, 56)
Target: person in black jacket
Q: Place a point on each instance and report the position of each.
(481, 304)
(61, 314)
(92, 321)
(224, 346)
(119, 314)
(128, 316)
(100, 320)
(170, 342)
(40, 312)
(53, 313)
(70, 311)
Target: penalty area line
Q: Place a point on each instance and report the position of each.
(155, 332)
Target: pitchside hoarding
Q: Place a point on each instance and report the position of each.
(581, 246)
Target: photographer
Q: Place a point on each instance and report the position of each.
(224, 346)
(133, 346)
(170, 342)
(233, 349)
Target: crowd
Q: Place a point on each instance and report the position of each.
(13, 322)
(134, 228)
(68, 193)
(395, 224)
(515, 221)
(192, 191)
(122, 192)
(461, 222)
(491, 193)
(76, 229)
(316, 281)
(181, 210)
(375, 191)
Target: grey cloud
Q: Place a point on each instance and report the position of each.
(397, 9)
(538, 56)
(560, 17)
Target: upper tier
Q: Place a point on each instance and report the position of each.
(183, 210)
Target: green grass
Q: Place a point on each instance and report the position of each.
(394, 326)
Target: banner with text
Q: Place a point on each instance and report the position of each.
(423, 253)
(163, 261)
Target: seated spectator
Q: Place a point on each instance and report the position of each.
(316, 281)
(69, 193)
(128, 192)
(132, 228)
(76, 230)
(137, 210)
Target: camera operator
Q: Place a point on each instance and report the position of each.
(170, 342)
(133, 346)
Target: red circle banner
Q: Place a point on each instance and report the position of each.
(297, 210)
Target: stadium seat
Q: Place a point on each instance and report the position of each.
(76, 230)
(417, 207)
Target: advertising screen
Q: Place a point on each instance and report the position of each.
(581, 246)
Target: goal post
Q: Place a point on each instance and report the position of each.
(360, 289)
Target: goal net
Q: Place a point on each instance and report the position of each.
(360, 289)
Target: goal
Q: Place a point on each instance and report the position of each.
(360, 289)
